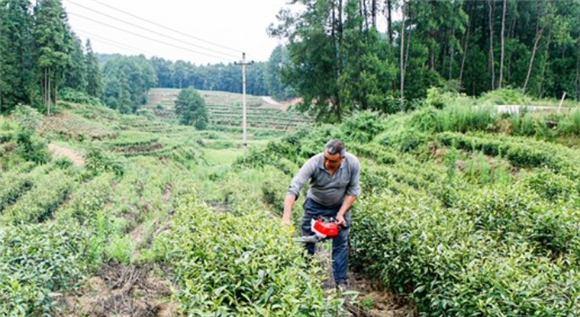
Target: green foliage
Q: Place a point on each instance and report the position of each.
(447, 261)
(68, 94)
(551, 186)
(274, 190)
(363, 127)
(12, 187)
(38, 263)
(39, 203)
(120, 249)
(570, 124)
(126, 82)
(147, 113)
(17, 62)
(242, 266)
(505, 96)
(98, 161)
(190, 107)
(32, 148)
(28, 118)
(404, 141)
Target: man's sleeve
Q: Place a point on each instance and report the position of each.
(305, 172)
(354, 185)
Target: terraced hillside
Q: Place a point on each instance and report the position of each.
(225, 110)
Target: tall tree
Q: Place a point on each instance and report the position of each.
(51, 35)
(94, 78)
(541, 23)
(190, 107)
(491, 4)
(402, 55)
(75, 73)
(314, 46)
(502, 38)
(16, 54)
(273, 75)
(136, 73)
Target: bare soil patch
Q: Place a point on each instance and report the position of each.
(62, 151)
(125, 291)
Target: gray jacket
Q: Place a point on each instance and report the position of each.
(327, 189)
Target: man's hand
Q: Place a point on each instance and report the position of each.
(340, 220)
(286, 222)
(346, 204)
(288, 204)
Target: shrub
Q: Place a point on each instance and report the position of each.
(98, 161)
(240, 266)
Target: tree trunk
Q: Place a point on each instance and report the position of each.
(541, 88)
(402, 56)
(491, 60)
(578, 74)
(339, 52)
(444, 53)
(49, 96)
(501, 59)
(390, 22)
(451, 51)
(363, 13)
(408, 49)
(55, 90)
(534, 50)
(465, 47)
(374, 13)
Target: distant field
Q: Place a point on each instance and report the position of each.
(225, 109)
(166, 97)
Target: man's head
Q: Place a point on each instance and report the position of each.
(334, 153)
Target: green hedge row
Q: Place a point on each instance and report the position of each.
(240, 266)
(443, 260)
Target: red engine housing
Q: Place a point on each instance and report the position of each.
(325, 228)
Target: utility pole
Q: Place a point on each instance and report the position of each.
(243, 63)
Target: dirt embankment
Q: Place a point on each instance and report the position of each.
(61, 151)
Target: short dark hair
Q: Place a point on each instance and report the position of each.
(336, 146)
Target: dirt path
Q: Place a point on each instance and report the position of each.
(371, 299)
(280, 105)
(61, 151)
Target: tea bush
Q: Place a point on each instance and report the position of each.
(240, 266)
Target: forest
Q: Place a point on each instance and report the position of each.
(341, 56)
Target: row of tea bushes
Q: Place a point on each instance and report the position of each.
(450, 266)
(246, 265)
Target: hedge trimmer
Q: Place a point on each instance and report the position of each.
(323, 228)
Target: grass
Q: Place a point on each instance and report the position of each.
(223, 156)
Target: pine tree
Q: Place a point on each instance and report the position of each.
(51, 33)
(94, 78)
(76, 71)
(16, 47)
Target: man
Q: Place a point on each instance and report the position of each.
(334, 185)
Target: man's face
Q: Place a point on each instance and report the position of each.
(332, 161)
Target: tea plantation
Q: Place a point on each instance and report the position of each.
(465, 211)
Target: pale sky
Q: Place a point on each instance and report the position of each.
(209, 31)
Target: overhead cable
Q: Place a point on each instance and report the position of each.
(145, 37)
(167, 28)
(152, 31)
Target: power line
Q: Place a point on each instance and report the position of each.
(145, 37)
(152, 31)
(170, 29)
(113, 43)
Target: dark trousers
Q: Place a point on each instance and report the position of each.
(312, 210)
